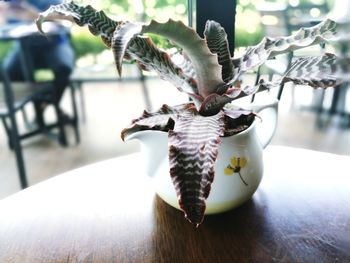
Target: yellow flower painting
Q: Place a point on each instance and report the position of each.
(236, 165)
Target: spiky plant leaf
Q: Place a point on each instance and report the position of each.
(193, 146)
(216, 38)
(270, 47)
(121, 39)
(161, 120)
(208, 75)
(182, 61)
(206, 66)
(98, 22)
(150, 57)
(194, 143)
(120, 35)
(318, 72)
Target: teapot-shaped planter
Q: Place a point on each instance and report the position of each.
(238, 168)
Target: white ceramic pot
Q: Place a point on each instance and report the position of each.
(238, 169)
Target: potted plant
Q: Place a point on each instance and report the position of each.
(193, 133)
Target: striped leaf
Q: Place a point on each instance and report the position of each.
(205, 63)
(182, 61)
(270, 47)
(193, 150)
(98, 22)
(150, 57)
(161, 120)
(121, 37)
(120, 41)
(323, 71)
(216, 38)
(193, 146)
(318, 72)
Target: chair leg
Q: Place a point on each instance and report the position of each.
(75, 114)
(18, 152)
(62, 138)
(319, 110)
(256, 83)
(78, 86)
(82, 101)
(15, 138)
(8, 132)
(25, 118)
(145, 92)
(335, 101)
(39, 115)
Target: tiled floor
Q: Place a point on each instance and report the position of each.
(111, 106)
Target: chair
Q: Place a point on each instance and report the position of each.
(7, 110)
(16, 96)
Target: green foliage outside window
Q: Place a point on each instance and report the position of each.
(84, 44)
(5, 47)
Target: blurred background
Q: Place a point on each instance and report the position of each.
(317, 120)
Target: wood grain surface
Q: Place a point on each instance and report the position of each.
(108, 212)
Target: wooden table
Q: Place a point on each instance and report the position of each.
(107, 212)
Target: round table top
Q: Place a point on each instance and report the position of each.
(108, 212)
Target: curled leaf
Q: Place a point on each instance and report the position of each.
(120, 41)
(161, 120)
(213, 104)
(205, 63)
(98, 22)
(216, 38)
